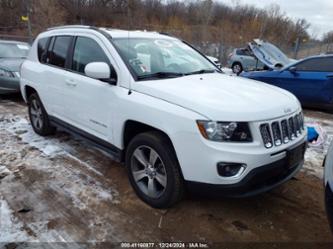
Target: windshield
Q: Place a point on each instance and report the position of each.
(12, 50)
(157, 58)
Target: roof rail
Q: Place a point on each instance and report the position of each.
(71, 27)
(103, 32)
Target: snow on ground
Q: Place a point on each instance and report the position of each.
(65, 179)
(315, 154)
(11, 229)
(51, 147)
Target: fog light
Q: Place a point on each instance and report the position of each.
(230, 169)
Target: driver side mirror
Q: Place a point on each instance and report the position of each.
(100, 71)
(293, 69)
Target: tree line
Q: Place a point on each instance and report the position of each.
(201, 22)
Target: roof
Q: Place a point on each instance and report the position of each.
(117, 33)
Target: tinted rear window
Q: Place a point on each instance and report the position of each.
(317, 65)
(243, 52)
(42, 49)
(59, 51)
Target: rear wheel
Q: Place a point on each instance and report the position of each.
(237, 68)
(38, 116)
(153, 170)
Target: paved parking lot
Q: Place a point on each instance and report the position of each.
(61, 189)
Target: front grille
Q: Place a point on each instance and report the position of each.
(276, 132)
(266, 135)
(283, 131)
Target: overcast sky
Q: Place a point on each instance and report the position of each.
(318, 12)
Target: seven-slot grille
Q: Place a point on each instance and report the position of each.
(283, 131)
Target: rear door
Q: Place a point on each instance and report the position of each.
(53, 75)
(91, 100)
(310, 80)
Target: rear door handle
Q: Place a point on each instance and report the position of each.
(329, 76)
(71, 83)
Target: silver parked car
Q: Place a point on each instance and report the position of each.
(328, 164)
(12, 55)
(242, 59)
(258, 55)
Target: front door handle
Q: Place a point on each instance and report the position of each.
(329, 76)
(71, 83)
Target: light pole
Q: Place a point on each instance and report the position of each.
(27, 9)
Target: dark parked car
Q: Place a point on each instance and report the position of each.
(329, 184)
(12, 54)
(310, 79)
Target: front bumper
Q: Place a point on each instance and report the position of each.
(257, 181)
(9, 85)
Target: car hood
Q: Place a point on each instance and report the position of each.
(221, 97)
(12, 65)
(269, 54)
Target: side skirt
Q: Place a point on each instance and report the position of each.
(93, 140)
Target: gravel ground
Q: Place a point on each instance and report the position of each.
(61, 189)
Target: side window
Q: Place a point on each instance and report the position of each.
(86, 51)
(317, 65)
(42, 43)
(239, 52)
(58, 52)
(243, 52)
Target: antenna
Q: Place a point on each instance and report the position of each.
(128, 44)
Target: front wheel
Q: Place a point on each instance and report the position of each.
(153, 170)
(237, 68)
(38, 116)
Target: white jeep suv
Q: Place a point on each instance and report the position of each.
(163, 108)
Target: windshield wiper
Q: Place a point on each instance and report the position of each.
(160, 75)
(202, 71)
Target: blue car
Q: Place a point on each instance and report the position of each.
(310, 80)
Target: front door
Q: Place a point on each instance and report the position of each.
(92, 100)
(310, 80)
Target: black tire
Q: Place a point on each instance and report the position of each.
(329, 205)
(237, 68)
(43, 128)
(174, 189)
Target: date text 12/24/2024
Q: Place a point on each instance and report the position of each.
(165, 245)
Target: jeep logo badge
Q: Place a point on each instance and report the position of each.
(287, 110)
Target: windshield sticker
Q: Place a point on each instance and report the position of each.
(163, 43)
(22, 47)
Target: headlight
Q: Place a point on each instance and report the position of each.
(225, 131)
(5, 73)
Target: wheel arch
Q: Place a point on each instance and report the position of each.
(28, 90)
(236, 62)
(133, 128)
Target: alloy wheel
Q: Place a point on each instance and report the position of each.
(237, 68)
(36, 114)
(149, 171)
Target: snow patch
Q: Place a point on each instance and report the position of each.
(11, 229)
(4, 170)
(315, 155)
(50, 147)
